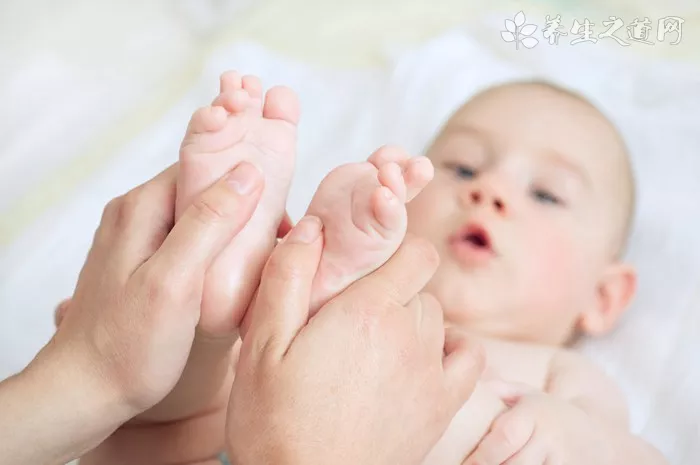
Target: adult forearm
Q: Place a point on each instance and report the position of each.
(53, 411)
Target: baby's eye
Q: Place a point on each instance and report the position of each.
(462, 171)
(544, 196)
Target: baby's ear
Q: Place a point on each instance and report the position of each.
(614, 294)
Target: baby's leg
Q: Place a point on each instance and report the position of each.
(238, 127)
(362, 207)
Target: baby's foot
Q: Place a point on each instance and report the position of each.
(239, 127)
(362, 207)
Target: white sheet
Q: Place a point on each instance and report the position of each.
(348, 114)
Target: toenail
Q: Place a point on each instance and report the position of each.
(386, 192)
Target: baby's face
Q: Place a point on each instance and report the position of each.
(523, 211)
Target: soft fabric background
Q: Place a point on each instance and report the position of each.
(94, 97)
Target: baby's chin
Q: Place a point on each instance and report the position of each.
(475, 304)
(485, 320)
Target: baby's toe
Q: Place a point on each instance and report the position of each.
(237, 101)
(230, 81)
(391, 176)
(388, 154)
(282, 103)
(253, 86)
(417, 173)
(207, 119)
(388, 211)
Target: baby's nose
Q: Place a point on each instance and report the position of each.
(477, 197)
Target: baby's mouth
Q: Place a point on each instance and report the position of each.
(477, 237)
(472, 245)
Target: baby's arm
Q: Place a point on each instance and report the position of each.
(578, 381)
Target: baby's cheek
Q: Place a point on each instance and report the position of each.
(553, 263)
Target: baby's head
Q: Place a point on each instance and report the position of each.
(530, 210)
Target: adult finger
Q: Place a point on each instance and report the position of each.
(400, 278)
(137, 222)
(211, 222)
(429, 317)
(281, 307)
(462, 365)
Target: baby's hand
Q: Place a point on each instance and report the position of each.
(540, 429)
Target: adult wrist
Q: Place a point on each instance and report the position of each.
(81, 403)
(56, 409)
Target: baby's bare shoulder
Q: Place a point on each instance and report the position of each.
(576, 378)
(566, 363)
(560, 372)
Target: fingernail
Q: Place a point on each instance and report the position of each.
(244, 178)
(306, 231)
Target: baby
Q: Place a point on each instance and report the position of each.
(529, 210)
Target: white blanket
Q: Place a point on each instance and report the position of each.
(347, 114)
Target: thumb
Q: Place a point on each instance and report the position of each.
(281, 306)
(210, 223)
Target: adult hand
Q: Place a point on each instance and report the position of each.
(123, 344)
(285, 226)
(372, 378)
